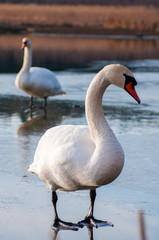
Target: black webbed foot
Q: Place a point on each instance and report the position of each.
(62, 225)
(92, 222)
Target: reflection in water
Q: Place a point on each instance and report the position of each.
(54, 235)
(141, 227)
(46, 119)
(37, 120)
(40, 120)
(44, 112)
(90, 233)
(76, 111)
(34, 125)
(58, 53)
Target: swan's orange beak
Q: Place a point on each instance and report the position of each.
(130, 88)
(23, 46)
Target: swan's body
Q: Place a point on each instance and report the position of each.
(36, 81)
(74, 149)
(75, 157)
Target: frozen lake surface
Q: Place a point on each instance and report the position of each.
(25, 202)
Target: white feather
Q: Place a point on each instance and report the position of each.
(75, 157)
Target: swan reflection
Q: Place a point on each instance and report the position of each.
(39, 120)
(90, 233)
(38, 123)
(76, 111)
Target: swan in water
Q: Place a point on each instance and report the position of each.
(78, 157)
(36, 81)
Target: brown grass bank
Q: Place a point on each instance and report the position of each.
(79, 19)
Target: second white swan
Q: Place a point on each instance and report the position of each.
(36, 81)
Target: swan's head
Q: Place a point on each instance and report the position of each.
(25, 43)
(122, 77)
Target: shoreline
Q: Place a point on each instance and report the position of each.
(95, 36)
(75, 31)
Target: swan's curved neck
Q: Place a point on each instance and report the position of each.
(27, 59)
(98, 125)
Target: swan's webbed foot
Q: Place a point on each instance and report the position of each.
(62, 225)
(58, 223)
(90, 221)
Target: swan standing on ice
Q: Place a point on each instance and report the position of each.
(36, 81)
(78, 157)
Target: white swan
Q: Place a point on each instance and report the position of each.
(76, 157)
(36, 81)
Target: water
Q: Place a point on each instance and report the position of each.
(25, 203)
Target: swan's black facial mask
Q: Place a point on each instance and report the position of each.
(24, 44)
(129, 79)
(129, 86)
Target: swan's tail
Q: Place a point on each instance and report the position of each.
(31, 169)
(62, 92)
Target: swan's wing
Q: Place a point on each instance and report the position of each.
(44, 82)
(61, 156)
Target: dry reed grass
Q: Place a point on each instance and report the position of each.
(131, 19)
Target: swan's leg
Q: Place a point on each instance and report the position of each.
(31, 102)
(44, 106)
(89, 219)
(45, 102)
(58, 223)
